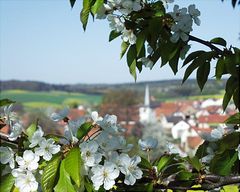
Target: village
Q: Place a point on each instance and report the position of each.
(179, 122)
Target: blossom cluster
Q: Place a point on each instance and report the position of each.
(183, 19)
(118, 13)
(104, 152)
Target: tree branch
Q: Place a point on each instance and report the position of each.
(207, 43)
(209, 182)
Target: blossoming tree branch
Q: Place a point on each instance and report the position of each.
(93, 153)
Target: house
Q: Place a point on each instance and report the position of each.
(179, 129)
(211, 120)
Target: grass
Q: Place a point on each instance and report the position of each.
(36, 99)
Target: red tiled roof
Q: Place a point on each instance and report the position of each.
(194, 142)
(213, 118)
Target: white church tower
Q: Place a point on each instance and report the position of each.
(146, 114)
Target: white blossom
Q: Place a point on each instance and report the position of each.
(8, 115)
(109, 124)
(16, 131)
(104, 175)
(95, 117)
(26, 182)
(60, 115)
(215, 134)
(115, 23)
(71, 129)
(28, 161)
(146, 62)
(148, 144)
(177, 13)
(130, 5)
(90, 154)
(128, 36)
(107, 142)
(194, 13)
(7, 156)
(36, 137)
(47, 148)
(130, 169)
(104, 10)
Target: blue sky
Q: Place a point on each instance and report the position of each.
(43, 40)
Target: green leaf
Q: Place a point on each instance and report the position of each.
(140, 41)
(31, 129)
(4, 102)
(222, 164)
(233, 119)
(174, 63)
(64, 183)
(220, 68)
(145, 163)
(195, 64)
(202, 74)
(201, 151)
(194, 161)
(83, 130)
(228, 142)
(96, 6)
(164, 161)
(184, 176)
(231, 85)
(50, 174)
(7, 183)
(192, 56)
(219, 41)
(114, 34)
(236, 98)
(124, 47)
(168, 51)
(88, 185)
(87, 4)
(72, 2)
(73, 165)
(131, 60)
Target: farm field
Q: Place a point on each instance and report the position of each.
(37, 99)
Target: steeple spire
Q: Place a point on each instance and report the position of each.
(147, 99)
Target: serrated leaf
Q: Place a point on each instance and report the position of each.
(113, 34)
(164, 161)
(31, 129)
(124, 47)
(88, 185)
(72, 2)
(50, 174)
(4, 102)
(7, 183)
(219, 41)
(202, 74)
(83, 130)
(131, 60)
(73, 165)
(233, 119)
(96, 6)
(140, 42)
(64, 183)
(192, 56)
(145, 163)
(222, 164)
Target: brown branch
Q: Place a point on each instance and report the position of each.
(207, 43)
(5, 137)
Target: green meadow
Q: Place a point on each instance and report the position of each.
(37, 99)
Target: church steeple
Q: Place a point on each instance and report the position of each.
(147, 98)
